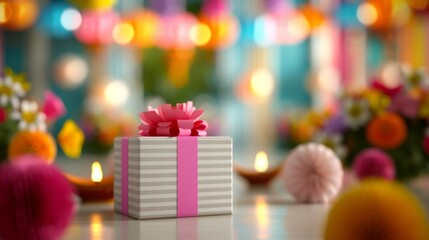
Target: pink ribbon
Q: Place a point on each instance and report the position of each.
(167, 120)
(124, 175)
(187, 176)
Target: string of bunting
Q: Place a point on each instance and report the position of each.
(214, 27)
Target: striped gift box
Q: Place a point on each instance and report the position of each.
(152, 176)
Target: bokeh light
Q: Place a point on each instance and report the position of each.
(367, 13)
(264, 30)
(261, 83)
(176, 30)
(200, 34)
(116, 93)
(71, 19)
(5, 12)
(99, 5)
(97, 27)
(123, 33)
(18, 14)
(70, 71)
(298, 27)
(146, 26)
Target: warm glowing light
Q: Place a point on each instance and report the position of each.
(71, 19)
(96, 173)
(261, 162)
(71, 70)
(200, 34)
(5, 12)
(367, 14)
(18, 14)
(262, 216)
(299, 27)
(116, 93)
(391, 74)
(123, 33)
(261, 83)
(96, 227)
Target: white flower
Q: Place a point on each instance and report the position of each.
(332, 141)
(356, 112)
(417, 78)
(10, 92)
(30, 118)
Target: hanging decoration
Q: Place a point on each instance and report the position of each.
(96, 28)
(288, 25)
(176, 30)
(314, 16)
(145, 25)
(93, 4)
(175, 38)
(18, 14)
(217, 28)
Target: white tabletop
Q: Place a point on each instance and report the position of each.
(259, 213)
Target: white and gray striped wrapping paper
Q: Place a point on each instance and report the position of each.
(152, 174)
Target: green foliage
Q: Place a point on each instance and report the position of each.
(156, 82)
(7, 130)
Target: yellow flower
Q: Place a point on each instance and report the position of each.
(377, 209)
(18, 78)
(377, 100)
(71, 139)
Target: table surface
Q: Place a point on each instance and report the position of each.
(259, 213)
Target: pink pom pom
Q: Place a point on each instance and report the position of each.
(36, 200)
(373, 162)
(312, 173)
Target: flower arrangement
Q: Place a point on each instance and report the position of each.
(23, 122)
(100, 130)
(392, 118)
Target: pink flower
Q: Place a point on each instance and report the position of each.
(373, 162)
(388, 90)
(405, 105)
(167, 120)
(3, 115)
(53, 106)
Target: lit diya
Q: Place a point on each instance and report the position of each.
(261, 175)
(95, 190)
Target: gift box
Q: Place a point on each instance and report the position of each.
(163, 177)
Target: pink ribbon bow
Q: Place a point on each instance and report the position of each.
(167, 120)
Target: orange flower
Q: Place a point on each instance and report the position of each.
(377, 209)
(387, 130)
(302, 131)
(38, 143)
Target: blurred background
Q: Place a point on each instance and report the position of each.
(250, 64)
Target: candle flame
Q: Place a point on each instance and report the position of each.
(96, 173)
(261, 162)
